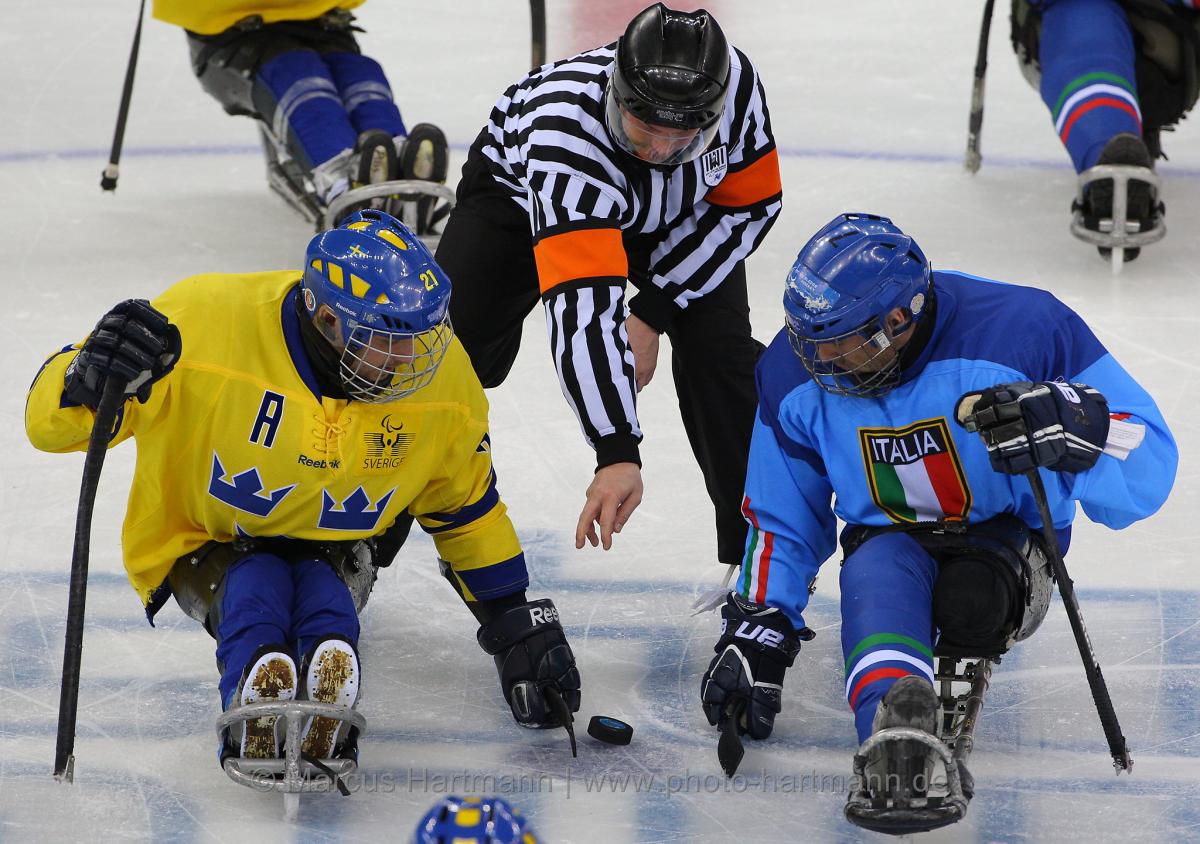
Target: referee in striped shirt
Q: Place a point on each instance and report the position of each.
(649, 162)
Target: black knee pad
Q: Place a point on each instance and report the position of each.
(976, 602)
(993, 588)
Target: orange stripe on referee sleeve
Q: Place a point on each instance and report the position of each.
(755, 183)
(585, 253)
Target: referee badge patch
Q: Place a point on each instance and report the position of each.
(714, 164)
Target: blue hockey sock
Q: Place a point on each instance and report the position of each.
(365, 93)
(308, 111)
(887, 620)
(255, 609)
(1088, 82)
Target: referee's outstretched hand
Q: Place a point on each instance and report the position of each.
(613, 495)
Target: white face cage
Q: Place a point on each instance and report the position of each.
(380, 366)
(865, 369)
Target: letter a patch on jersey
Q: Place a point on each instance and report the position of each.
(914, 472)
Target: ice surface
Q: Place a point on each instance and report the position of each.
(869, 105)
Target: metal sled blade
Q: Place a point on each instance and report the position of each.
(1117, 232)
(959, 715)
(291, 774)
(901, 812)
(403, 198)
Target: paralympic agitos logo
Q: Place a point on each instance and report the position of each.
(387, 448)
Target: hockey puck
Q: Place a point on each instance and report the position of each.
(609, 730)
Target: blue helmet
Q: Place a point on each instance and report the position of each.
(847, 280)
(474, 820)
(377, 295)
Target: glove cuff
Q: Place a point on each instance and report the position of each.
(760, 629)
(518, 624)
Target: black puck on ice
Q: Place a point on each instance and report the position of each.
(609, 730)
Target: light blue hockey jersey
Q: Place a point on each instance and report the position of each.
(901, 457)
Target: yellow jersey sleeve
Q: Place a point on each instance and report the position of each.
(469, 523)
(55, 425)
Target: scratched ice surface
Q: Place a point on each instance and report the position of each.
(869, 105)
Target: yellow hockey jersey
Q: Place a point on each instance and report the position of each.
(237, 441)
(208, 17)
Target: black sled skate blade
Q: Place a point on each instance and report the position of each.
(893, 821)
(903, 811)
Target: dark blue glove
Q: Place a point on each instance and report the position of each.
(133, 343)
(1050, 424)
(757, 645)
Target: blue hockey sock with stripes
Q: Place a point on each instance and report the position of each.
(365, 93)
(1088, 80)
(887, 620)
(308, 110)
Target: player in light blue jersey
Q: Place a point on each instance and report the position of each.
(858, 397)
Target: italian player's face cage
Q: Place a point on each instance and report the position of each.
(381, 365)
(862, 363)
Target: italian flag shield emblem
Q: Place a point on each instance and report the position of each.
(914, 472)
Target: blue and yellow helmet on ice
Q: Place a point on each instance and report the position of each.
(380, 298)
(474, 820)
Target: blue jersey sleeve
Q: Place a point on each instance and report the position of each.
(788, 501)
(1118, 492)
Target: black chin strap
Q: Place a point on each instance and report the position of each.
(322, 356)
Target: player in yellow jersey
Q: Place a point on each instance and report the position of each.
(290, 425)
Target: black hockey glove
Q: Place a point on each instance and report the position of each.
(134, 343)
(1051, 424)
(757, 644)
(532, 656)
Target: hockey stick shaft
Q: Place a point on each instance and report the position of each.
(537, 21)
(68, 701)
(975, 122)
(108, 179)
(1104, 705)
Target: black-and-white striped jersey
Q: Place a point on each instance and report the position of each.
(547, 145)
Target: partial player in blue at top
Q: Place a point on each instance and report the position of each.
(1114, 74)
(328, 117)
(859, 400)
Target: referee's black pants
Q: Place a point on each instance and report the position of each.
(487, 251)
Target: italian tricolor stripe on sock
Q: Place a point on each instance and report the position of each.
(1090, 92)
(876, 658)
(756, 565)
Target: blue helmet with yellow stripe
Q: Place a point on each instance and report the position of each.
(375, 292)
(474, 820)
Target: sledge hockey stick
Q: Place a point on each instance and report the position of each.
(108, 179)
(537, 21)
(68, 701)
(975, 122)
(1104, 706)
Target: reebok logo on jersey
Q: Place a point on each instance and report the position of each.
(914, 472)
(714, 163)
